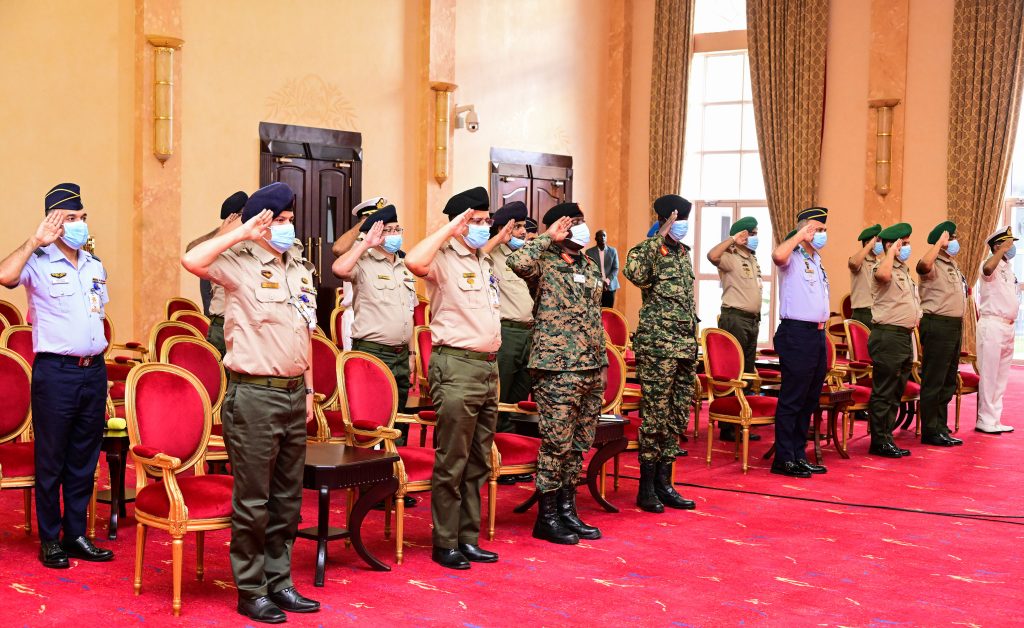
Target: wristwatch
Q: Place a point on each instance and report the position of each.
(310, 391)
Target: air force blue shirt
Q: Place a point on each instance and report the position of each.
(65, 303)
(803, 288)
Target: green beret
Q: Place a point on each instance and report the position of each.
(936, 233)
(895, 232)
(869, 233)
(747, 223)
(790, 234)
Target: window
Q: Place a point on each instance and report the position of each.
(1013, 215)
(716, 16)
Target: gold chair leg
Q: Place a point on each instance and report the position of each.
(200, 543)
(399, 528)
(140, 550)
(711, 436)
(736, 447)
(492, 505)
(746, 445)
(28, 511)
(604, 478)
(176, 557)
(917, 418)
(959, 395)
(90, 514)
(615, 472)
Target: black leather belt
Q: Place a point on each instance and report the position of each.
(73, 360)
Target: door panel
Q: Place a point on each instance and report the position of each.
(545, 195)
(333, 217)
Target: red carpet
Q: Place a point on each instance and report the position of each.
(739, 559)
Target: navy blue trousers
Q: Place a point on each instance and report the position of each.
(68, 408)
(803, 362)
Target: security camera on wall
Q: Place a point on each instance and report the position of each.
(469, 121)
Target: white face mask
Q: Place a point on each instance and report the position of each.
(580, 234)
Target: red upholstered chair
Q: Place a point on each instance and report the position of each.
(169, 421)
(120, 358)
(17, 454)
(195, 319)
(837, 377)
(860, 365)
(723, 364)
(421, 313)
(162, 332)
(18, 338)
(204, 361)
(178, 304)
(336, 323)
(328, 424)
(11, 314)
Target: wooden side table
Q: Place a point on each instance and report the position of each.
(115, 446)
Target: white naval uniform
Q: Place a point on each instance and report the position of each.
(999, 296)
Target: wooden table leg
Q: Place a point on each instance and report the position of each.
(367, 499)
(817, 435)
(323, 510)
(604, 453)
(840, 445)
(116, 467)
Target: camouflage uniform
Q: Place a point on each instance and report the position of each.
(567, 355)
(665, 344)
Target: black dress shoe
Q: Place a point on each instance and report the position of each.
(816, 469)
(83, 548)
(884, 450)
(475, 554)
(507, 480)
(261, 609)
(903, 452)
(790, 468)
(450, 558)
(290, 600)
(938, 440)
(953, 439)
(52, 555)
(524, 477)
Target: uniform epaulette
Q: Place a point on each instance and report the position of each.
(95, 257)
(39, 252)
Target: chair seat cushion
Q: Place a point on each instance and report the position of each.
(769, 374)
(334, 422)
(206, 497)
(760, 406)
(913, 389)
(970, 379)
(17, 460)
(516, 449)
(418, 462)
(527, 406)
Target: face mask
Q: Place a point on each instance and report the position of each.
(904, 253)
(752, 243)
(877, 249)
(282, 237)
(478, 235)
(580, 234)
(515, 243)
(679, 229)
(953, 247)
(392, 243)
(76, 234)
(1009, 254)
(819, 240)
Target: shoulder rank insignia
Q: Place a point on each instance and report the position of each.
(305, 280)
(39, 252)
(267, 274)
(58, 275)
(99, 280)
(566, 258)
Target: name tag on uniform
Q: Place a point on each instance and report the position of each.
(273, 285)
(383, 277)
(469, 277)
(579, 278)
(95, 305)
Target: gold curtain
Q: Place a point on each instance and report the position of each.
(986, 81)
(786, 41)
(673, 48)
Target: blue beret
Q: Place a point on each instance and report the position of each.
(385, 215)
(233, 204)
(562, 210)
(510, 212)
(665, 205)
(813, 213)
(475, 198)
(277, 197)
(63, 196)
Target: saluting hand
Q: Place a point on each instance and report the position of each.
(229, 223)
(741, 237)
(50, 229)
(1004, 246)
(460, 225)
(375, 236)
(943, 239)
(506, 232)
(257, 227)
(809, 230)
(665, 226)
(560, 229)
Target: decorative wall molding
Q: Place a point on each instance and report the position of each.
(312, 100)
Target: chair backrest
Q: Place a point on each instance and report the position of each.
(11, 313)
(337, 334)
(421, 313)
(108, 331)
(723, 356)
(830, 353)
(857, 340)
(846, 309)
(167, 409)
(16, 391)
(369, 395)
(615, 327)
(325, 368)
(195, 319)
(19, 339)
(166, 330)
(179, 304)
(616, 380)
(424, 346)
(202, 360)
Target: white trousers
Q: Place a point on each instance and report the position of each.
(995, 351)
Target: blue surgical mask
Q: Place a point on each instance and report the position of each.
(76, 234)
(679, 229)
(580, 234)
(1010, 253)
(904, 253)
(953, 247)
(819, 240)
(282, 237)
(752, 243)
(515, 243)
(392, 243)
(878, 249)
(478, 235)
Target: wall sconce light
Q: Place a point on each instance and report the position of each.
(442, 111)
(883, 143)
(163, 94)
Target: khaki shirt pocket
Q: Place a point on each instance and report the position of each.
(384, 282)
(471, 292)
(270, 304)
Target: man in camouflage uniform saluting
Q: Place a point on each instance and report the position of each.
(567, 363)
(666, 350)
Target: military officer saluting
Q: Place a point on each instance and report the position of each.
(944, 302)
(270, 312)
(466, 330)
(999, 304)
(67, 291)
(568, 365)
(342, 245)
(665, 343)
(861, 264)
(895, 312)
(741, 295)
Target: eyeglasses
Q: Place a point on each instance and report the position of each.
(481, 222)
(393, 231)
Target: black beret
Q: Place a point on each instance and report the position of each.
(869, 233)
(63, 196)
(813, 213)
(475, 198)
(566, 210)
(896, 232)
(936, 233)
(233, 204)
(747, 223)
(510, 212)
(384, 215)
(531, 225)
(665, 205)
(277, 197)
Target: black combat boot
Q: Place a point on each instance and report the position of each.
(646, 498)
(666, 492)
(570, 518)
(549, 526)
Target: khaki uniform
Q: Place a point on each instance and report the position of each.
(944, 302)
(463, 377)
(516, 334)
(215, 335)
(860, 290)
(999, 303)
(270, 307)
(895, 312)
(741, 300)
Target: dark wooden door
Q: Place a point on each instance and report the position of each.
(540, 180)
